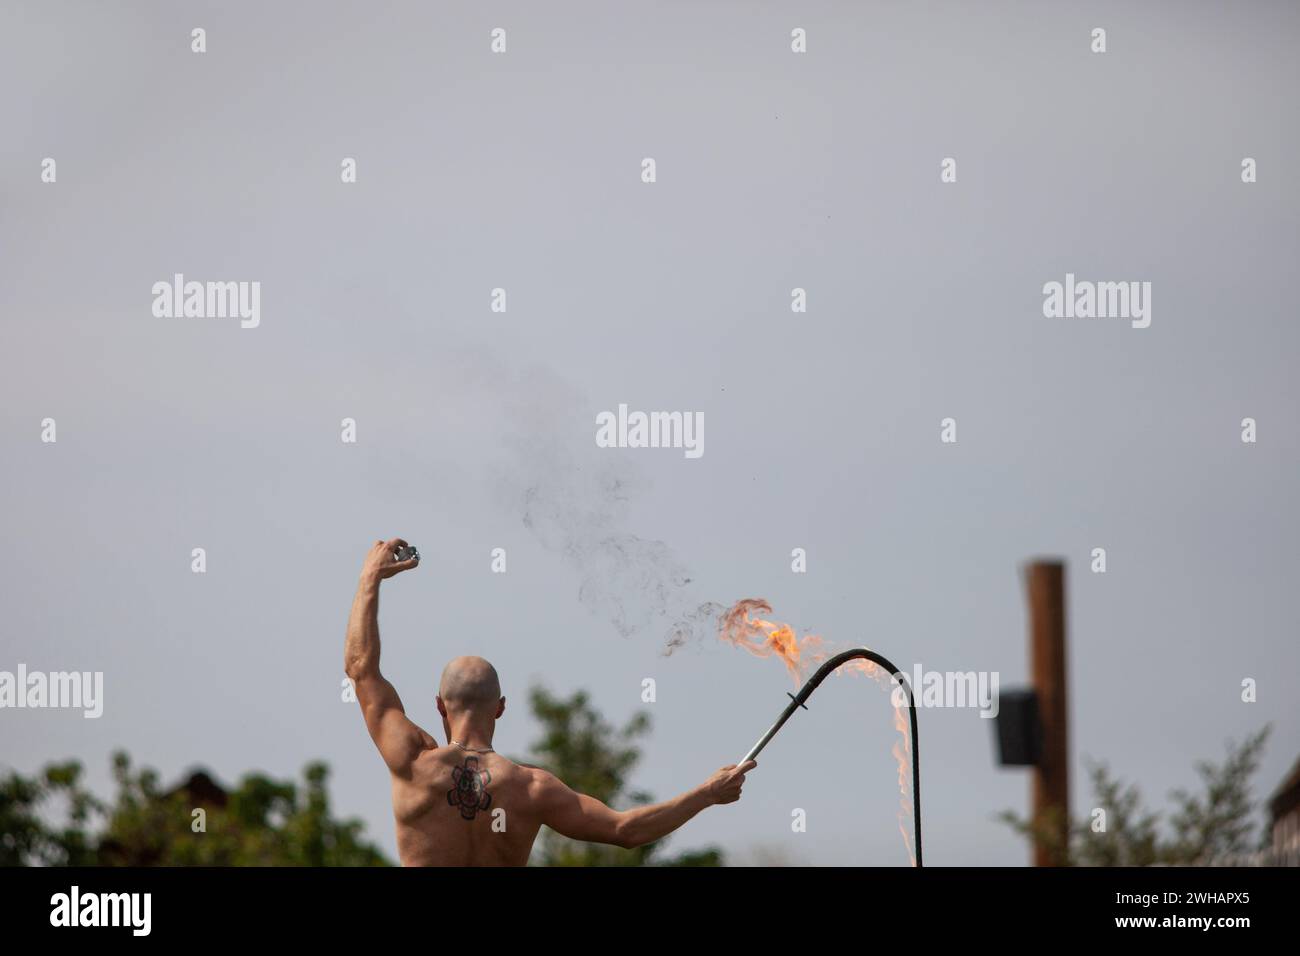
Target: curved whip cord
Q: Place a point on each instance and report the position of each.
(797, 701)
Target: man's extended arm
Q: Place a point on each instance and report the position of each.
(581, 817)
(399, 740)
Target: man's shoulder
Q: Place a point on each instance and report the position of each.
(538, 780)
(528, 771)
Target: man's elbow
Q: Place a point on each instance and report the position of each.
(358, 667)
(627, 836)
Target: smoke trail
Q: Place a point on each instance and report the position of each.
(634, 583)
(575, 500)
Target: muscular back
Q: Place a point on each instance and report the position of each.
(456, 808)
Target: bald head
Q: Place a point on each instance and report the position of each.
(470, 683)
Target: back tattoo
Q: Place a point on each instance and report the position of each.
(470, 792)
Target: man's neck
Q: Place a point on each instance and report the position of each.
(470, 738)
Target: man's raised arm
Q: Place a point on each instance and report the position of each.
(398, 739)
(580, 817)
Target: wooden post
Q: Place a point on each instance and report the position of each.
(1045, 583)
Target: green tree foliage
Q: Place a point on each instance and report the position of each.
(1213, 826)
(261, 822)
(26, 838)
(588, 754)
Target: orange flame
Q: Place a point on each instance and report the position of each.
(764, 638)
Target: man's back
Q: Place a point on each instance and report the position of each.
(458, 808)
(464, 804)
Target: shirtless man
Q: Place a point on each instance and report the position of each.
(444, 797)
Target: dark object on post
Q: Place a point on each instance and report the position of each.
(1020, 735)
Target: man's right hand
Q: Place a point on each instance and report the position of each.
(382, 561)
(724, 786)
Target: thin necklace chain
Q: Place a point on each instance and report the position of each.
(477, 750)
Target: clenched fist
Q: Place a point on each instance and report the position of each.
(724, 786)
(382, 561)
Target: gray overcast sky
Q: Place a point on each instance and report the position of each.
(775, 170)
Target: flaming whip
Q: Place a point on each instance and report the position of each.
(797, 700)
